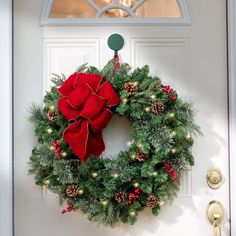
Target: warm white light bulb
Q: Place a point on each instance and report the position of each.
(94, 174)
(49, 130)
(153, 97)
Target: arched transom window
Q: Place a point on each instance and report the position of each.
(114, 11)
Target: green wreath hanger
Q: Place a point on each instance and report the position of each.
(69, 130)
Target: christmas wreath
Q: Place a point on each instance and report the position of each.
(69, 130)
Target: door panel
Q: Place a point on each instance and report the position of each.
(191, 58)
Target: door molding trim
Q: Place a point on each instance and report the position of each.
(6, 125)
(231, 14)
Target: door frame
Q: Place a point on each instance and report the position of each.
(231, 33)
(6, 118)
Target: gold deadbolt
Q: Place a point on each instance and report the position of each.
(214, 178)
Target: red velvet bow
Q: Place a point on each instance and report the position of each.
(86, 101)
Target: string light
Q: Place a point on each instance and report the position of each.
(172, 115)
(132, 213)
(140, 145)
(81, 191)
(173, 150)
(153, 97)
(104, 202)
(52, 108)
(94, 174)
(51, 148)
(161, 203)
(133, 156)
(147, 109)
(49, 130)
(115, 175)
(47, 182)
(125, 100)
(188, 136)
(173, 134)
(154, 173)
(136, 184)
(64, 154)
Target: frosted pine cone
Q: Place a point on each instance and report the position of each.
(141, 156)
(72, 190)
(152, 201)
(52, 115)
(120, 196)
(157, 108)
(131, 88)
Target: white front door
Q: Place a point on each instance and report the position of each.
(192, 58)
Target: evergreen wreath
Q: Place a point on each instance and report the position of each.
(108, 190)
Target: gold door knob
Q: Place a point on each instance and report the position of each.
(214, 178)
(215, 215)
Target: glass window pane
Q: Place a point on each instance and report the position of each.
(115, 13)
(82, 9)
(127, 3)
(102, 3)
(159, 9)
(72, 9)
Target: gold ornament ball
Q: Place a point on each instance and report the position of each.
(136, 184)
(94, 174)
(81, 191)
(154, 173)
(49, 130)
(64, 154)
(147, 109)
(173, 150)
(172, 115)
(132, 213)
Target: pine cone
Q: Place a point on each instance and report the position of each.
(52, 115)
(157, 108)
(141, 156)
(120, 196)
(152, 201)
(72, 190)
(131, 88)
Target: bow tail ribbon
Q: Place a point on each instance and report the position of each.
(85, 136)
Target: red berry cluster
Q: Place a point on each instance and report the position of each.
(58, 148)
(171, 171)
(170, 91)
(68, 208)
(133, 196)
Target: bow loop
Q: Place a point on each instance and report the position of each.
(86, 100)
(84, 90)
